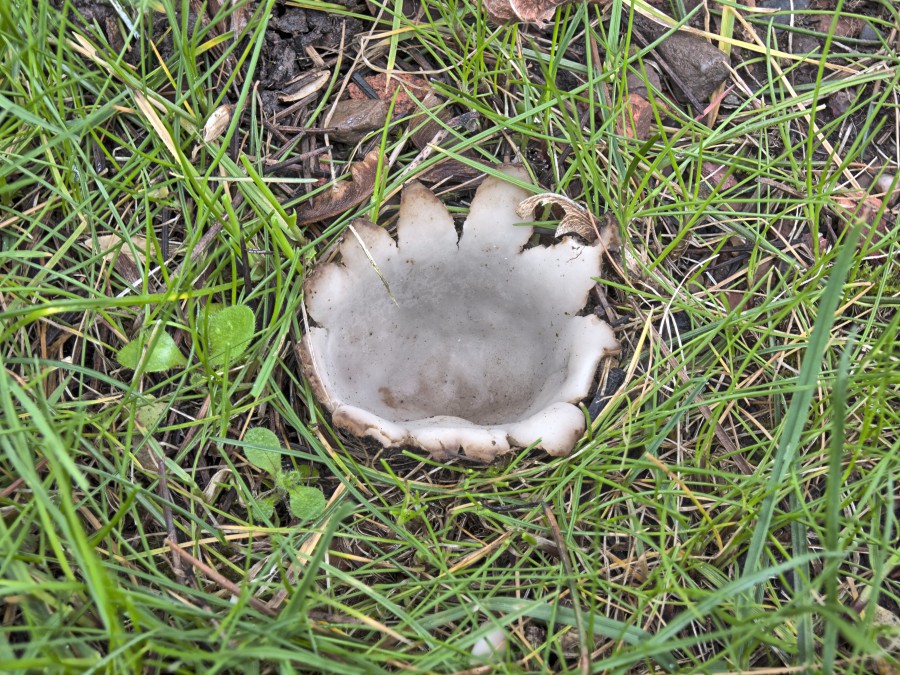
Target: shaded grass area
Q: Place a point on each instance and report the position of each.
(732, 507)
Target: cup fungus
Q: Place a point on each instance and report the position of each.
(449, 343)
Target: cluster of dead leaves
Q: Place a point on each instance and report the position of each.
(355, 117)
(695, 66)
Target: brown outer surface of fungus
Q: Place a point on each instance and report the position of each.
(451, 343)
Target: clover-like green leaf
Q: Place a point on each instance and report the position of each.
(267, 453)
(306, 503)
(162, 354)
(228, 333)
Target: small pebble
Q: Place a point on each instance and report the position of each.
(869, 34)
(788, 9)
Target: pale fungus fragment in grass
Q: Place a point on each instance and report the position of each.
(450, 344)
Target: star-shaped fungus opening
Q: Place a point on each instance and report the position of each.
(450, 344)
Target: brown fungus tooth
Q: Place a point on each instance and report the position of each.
(444, 344)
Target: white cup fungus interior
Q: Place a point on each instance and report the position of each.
(450, 344)
(456, 343)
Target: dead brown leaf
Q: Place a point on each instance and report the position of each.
(870, 209)
(637, 119)
(115, 250)
(717, 179)
(352, 119)
(528, 11)
(423, 128)
(575, 220)
(345, 194)
(217, 123)
(733, 299)
(717, 176)
(844, 27)
(400, 85)
(840, 101)
(451, 169)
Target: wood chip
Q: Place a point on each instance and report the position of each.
(316, 81)
(217, 123)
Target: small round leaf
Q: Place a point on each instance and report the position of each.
(162, 355)
(228, 333)
(267, 453)
(306, 503)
